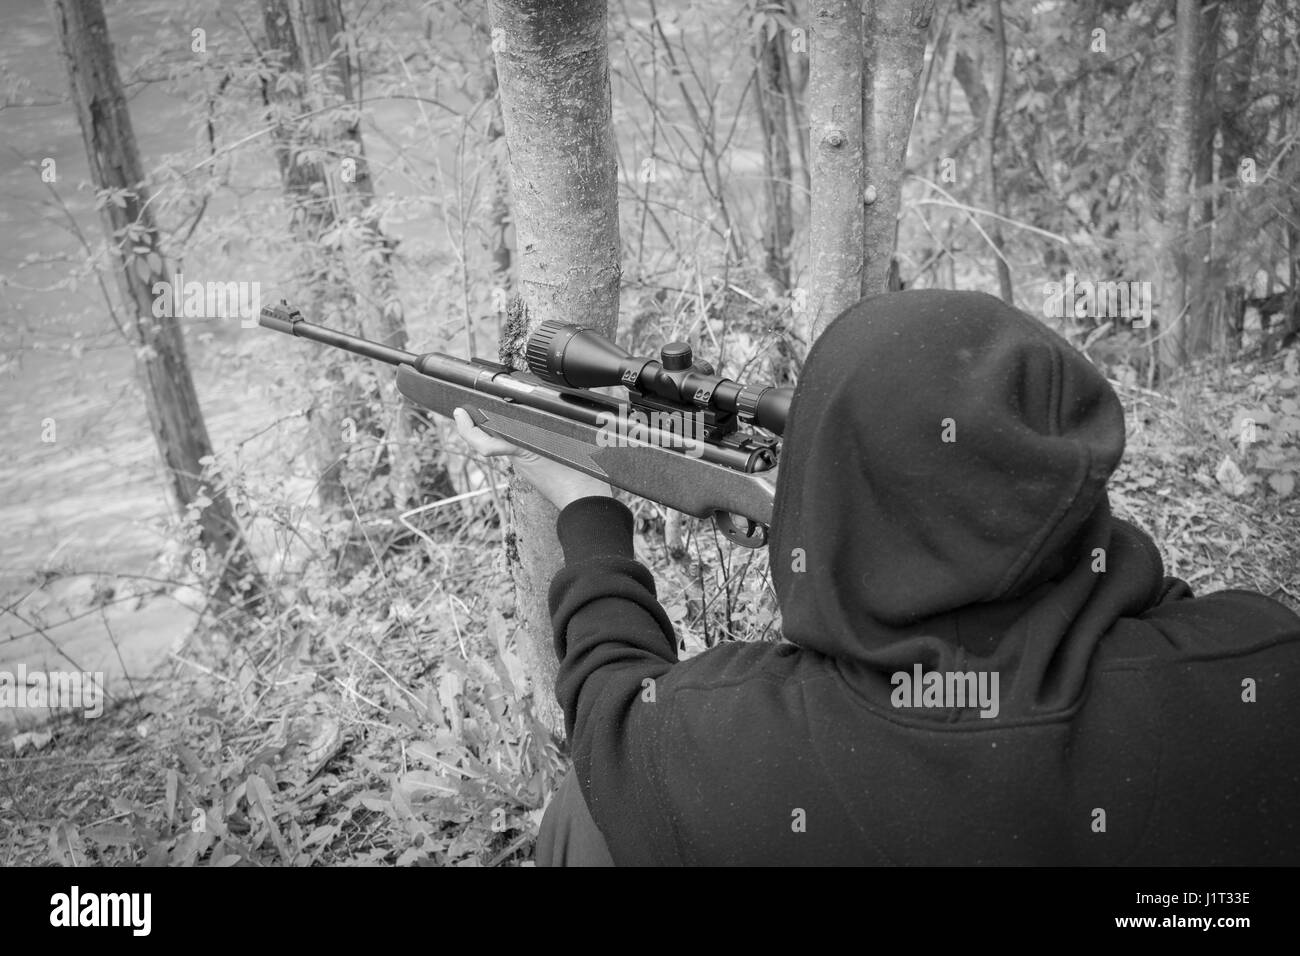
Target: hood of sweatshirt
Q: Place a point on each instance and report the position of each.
(941, 500)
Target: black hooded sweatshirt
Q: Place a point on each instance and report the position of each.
(941, 507)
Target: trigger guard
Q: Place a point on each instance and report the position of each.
(754, 535)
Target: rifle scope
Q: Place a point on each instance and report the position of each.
(572, 356)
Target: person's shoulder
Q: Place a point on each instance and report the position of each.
(1231, 621)
(739, 662)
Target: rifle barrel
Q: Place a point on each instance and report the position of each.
(292, 323)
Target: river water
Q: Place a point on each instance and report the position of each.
(92, 502)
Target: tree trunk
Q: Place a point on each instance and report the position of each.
(770, 77)
(1203, 291)
(327, 295)
(499, 218)
(895, 35)
(990, 138)
(1239, 67)
(837, 234)
(1238, 141)
(553, 69)
(174, 414)
(1290, 173)
(796, 85)
(1179, 160)
(985, 104)
(335, 219)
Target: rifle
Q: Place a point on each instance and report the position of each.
(676, 439)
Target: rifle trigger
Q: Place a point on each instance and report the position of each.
(754, 535)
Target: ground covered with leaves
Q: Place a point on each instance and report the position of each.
(361, 727)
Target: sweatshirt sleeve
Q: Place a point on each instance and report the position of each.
(614, 641)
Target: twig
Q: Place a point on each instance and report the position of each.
(381, 670)
(360, 696)
(197, 666)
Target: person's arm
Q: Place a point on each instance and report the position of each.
(614, 641)
(616, 648)
(612, 635)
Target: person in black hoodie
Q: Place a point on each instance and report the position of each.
(980, 663)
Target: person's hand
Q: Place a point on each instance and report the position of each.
(557, 483)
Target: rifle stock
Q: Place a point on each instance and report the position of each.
(645, 465)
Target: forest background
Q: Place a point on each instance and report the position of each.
(323, 639)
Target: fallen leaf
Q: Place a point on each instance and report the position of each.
(36, 739)
(111, 834)
(1283, 482)
(323, 745)
(261, 795)
(1230, 477)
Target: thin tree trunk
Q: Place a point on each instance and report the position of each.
(1202, 312)
(945, 269)
(990, 138)
(895, 35)
(326, 290)
(1239, 67)
(499, 219)
(943, 90)
(553, 68)
(1238, 141)
(1290, 173)
(174, 414)
(1179, 158)
(837, 234)
(336, 197)
(795, 82)
(1293, 276)
(966, 70)
(770, 101)
(499, 208)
